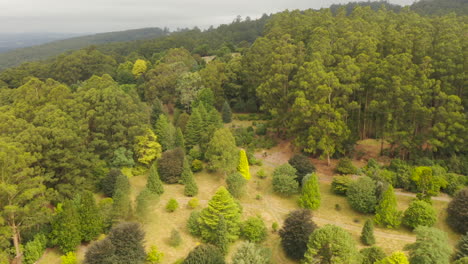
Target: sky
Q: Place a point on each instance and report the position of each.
(93, 16)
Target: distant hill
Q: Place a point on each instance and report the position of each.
(44, 51)
(440, 7)
(11, 41)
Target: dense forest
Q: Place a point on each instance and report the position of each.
(75, 128)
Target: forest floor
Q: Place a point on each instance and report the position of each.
(259, 199)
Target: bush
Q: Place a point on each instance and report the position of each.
(69, 258)
(193, 203)
(261, 130)
(295, 233)
(302, 165)
(419, 213)
(195, 153)
(372, 254)
(361, 195)
(206, 254)
(456, 182)
(249, 253)
(197, 165)
(261, 174)
(254, 229)
(236, 184)
(367, 234)
(458, 212)
(175, 239)
(108, 183)
(172, 205)
(274, 226)
(345, 166)
(170, 165)
(154, 256)
(192, 223)
(340, 184)
(461, 249)
(284, 180)
(34, 249)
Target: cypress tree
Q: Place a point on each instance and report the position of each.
(214, 119)
(204, 115)
(179, 141)
(191, 188)
(310, 198)
(222, 203)
(387, 213)
(122, 204)
(243, 166)
(154, 183)
(226, 112)
(162, 131)
(91, 222)
(367, 234)
(66, 227)
(221, 240)
(193, 129)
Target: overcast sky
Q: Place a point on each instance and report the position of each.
(87, 16)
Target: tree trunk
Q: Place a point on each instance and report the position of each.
(328, 159)
(16, 243)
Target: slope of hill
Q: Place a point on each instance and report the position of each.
(11, 41)
(44, 51)
(440, 7)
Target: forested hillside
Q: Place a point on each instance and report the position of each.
(80, 131)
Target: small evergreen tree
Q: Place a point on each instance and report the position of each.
(171, 165)
(206, 254)
(66, 227)
(154, 183)
(295, 233)
(172, 205)
(100, 252)
(154, 256)
(419, 213)
(221, 239)
(457, 212)
(310, 198)
(69, 258)
(192, 224)
(143, 203)
(302, 165)
(193, 129)
(367, 234)
(175, 239)
(236, 184)
(163, 130)
(387, 213)
(461, 249)
(90, 219)
(345, 166)
(108, 182)
(372, 254)
(122, 207)
(34, 249)
(431, 247)
(226, 112)
(106, 206)
(361, 195)
(340, 184)
(254, 229)
(179, 141)
(284, 180)
(127, 239)
(243, 166)
(190, 188)
(222, 152)
(123, 158)
(250, 253)
(222, 203)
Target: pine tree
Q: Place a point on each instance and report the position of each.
(191, 188)
(179, 141)
(193, 129)
(221, 240)
(66, 227)
(367, 234)
(310, 198)
(214, 119)
(204, 115)
(154, 183)
(226, 112)
(122, 204)
(206, 254)
(461, 249)
(243, 166)
(222, 203)
(387, 213)
(91, 222)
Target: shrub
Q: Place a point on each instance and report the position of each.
(108, 183)
(249, 253)
(274, 226)
(419, 213)
(340, 184)
(310, 197)
(372, 254)
(154, 256)
(195, 153)
(236, 184)
(206, 254)
(367, 234)
(175, 239)
(345, 166)
(34, 249)
(193, 203)
(458, 212)
(284, 180)
(295, 233)
(192, 223)
(302, 165)
(197, 165)
(261, 130)
(261, 174)
(361, 195)
(69, 258)
(170, 165)
(254, 229)
(172, 205)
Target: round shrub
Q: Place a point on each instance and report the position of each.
(172, 205)
(345, 166)
(419, 213)
(197, 165)
(284, 180)
(171, 165)
(254, 229)
(193, 203)
(206, 254)
(340, 184)
(361, 195)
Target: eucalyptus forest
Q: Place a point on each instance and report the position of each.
(337, 135)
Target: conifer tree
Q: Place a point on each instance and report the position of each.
(222, 152)
(191, 188)
(367, 234)
(147, 147)
(250, 253)
(193, 129)
(221, 240)
(214, 119)
(221, 204)
(179, 141)
(143, 203)
(91, 222)
(226, 112)
(204, 115)
(66, 227)
(387, 213)
(243, 166)
(163, 132)
(236, 184)
(122, 204)
(154, 183)
(310, 198)
(461, 249)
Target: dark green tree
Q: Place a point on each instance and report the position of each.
(193, 129)
(205, 253)
(108, 182)
(122, 205)
(154, 184)
(171, 165)
(221, 237)
(284, 180)
(457, 212)
(101, 252)
(431, 247)
(226, 113)
(302, 165)
(91, 223)
(372, 254)
(127, 239)
(190, 188)
(461, 249)
(179, 141)
(66, 227)
(367, 234)
(419, 213)
(361, 195)
(295, 233)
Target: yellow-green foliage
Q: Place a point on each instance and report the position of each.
(154, 256)
(396, 258)
(139, 68)
(243, 166)
(147, 147)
